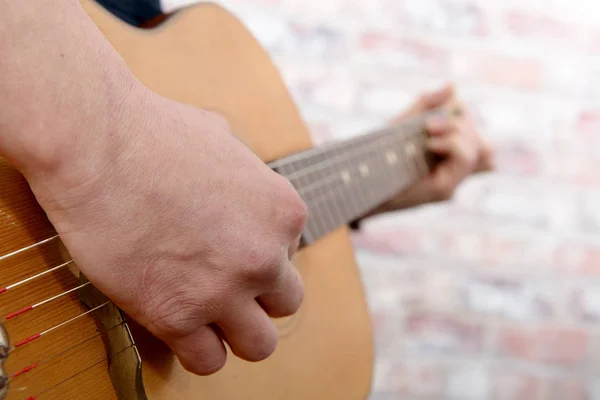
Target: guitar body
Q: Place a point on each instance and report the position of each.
(205, 57)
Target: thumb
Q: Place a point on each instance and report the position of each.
(437, 98)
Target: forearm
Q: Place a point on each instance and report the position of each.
(61, 83)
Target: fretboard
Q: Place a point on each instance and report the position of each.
(345, 180)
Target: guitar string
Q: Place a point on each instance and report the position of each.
(399, 127)
(375, 140)
(294, 323)
(309, 168)
(24, 281)
(34, 397)
(12, 315)
(36, 365)
(36, 336)
(341, 159)
(28, 340)
(315, 201)
(338, 191)
(14, 253)
(318, 184)
(313, 188)
(41, 303)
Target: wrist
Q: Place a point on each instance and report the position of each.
(76, 128)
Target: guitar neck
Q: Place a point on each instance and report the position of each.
(345, 180)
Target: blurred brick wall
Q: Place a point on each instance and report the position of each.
(496, 295)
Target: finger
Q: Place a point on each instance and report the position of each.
(438, 98)
(294, 247)
(440, 125)
(287, 297)
(428, 101)
(458, 165)
(202, 352)
(461, 154)
(249, 332)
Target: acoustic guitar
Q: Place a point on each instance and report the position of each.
(62, 339)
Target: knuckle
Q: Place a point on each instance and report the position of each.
(294, 211)
(181, 313)
(266, 268)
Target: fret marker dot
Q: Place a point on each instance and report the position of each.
(346, 176)
(410, 148)
(364, 169)
(391, 157)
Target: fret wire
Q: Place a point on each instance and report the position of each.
(329, 219)
(394, 174)
(327, 209)
(420, 157)
(375, 162)
(371, 139)
(338, 190)
(320, 221)
(410, 165)
(315, 167)
(307, 191)
(365, 204)
(401, 126)
(371, 183)
(332, 200)
(314, 223)
(353, 199)
(332, 209)
(356, 192)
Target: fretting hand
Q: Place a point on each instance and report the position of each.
(462, 149)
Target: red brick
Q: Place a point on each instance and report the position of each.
(443, 333)
(423, 380)
(568, 388)
(588, 123)
(460, 245)
(411, 53)
(569, 257)
(516, 384)
(508, 384)
(428, 381)
(529, 25)
(519, 159)
(317, 39)
(497, 69)
(457, 17)
(509, 297)
(550, 345)
(584, 302)
(469, 381)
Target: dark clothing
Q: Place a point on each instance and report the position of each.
(134, 12)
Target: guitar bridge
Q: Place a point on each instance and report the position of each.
(125, 364)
